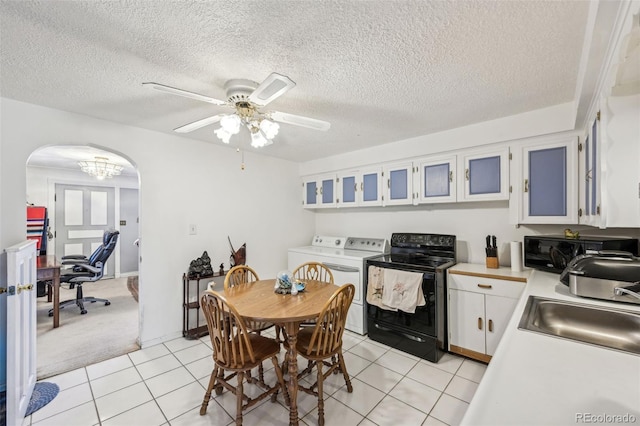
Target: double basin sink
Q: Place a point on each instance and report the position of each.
(612, 328)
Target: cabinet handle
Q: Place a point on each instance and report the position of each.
(479, 323)
(320, 190)
(389, 183)
(361, 186)
(526, 185)
(488, 286)
(588, 176)
(491, 326)
(451, 176)
(466, 174)
(355, 187)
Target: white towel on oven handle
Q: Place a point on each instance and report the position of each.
(402, 290)
(375, 288)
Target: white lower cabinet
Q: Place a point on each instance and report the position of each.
(479, 310)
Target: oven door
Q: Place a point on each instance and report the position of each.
(423, 321)
(422, 333)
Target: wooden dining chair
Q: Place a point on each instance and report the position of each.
(324, 342)
(313, 271)
(236, 351)
(243, 274)
(240, 274)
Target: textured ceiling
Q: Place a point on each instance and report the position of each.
(378, 71)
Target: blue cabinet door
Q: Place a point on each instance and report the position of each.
(436, 179)
(547, 184)
(486, 175)
(348, 186)
(399, 179)
(371, 187)
(326, 191)
(311, 191)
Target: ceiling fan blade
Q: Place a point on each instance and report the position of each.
(273, 86)
(298, 120)
(184, 93)
(198, 124)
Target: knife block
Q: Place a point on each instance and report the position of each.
(492, 262)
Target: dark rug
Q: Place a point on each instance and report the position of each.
(3, 408)
(43, 393)
(132, 285)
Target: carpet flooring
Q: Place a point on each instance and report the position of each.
(103, 332)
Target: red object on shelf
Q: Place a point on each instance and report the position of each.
(37, 226)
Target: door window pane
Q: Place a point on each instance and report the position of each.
(73, 207)
(98, 208)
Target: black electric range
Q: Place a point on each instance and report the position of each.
(422, 333)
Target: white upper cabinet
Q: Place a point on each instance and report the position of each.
(589, 175)
(615, 178)
(319, 191)
(371, 186)
(398, 183)
(548, 189)
(360, 187)
(347, 187)
(436, 179)
(486, 175)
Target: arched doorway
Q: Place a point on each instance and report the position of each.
(80, 207)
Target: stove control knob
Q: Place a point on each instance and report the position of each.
(337, 242)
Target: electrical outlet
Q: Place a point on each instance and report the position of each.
(193, 229)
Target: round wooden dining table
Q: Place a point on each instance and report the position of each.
(258, 301)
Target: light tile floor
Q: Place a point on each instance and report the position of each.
(165, 384)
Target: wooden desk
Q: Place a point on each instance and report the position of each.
(49, 270)
(258, 301)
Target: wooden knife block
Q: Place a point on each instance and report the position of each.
(492, 262)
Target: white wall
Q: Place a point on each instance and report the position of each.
(182, 182)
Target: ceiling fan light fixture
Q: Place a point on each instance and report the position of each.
(269, 128)
(223, 135)
(258, 139)
(231, 123)
(100, 168)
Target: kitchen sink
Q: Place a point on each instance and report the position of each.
(612, 328)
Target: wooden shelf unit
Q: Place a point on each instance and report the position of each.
(189, 304)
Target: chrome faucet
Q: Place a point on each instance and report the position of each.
(631, 290)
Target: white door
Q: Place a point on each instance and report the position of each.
(82, 215)
(466, 320)
(498, 311)
(21, 329)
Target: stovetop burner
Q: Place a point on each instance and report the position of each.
(426, 251)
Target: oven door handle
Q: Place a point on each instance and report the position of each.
(340, 268)
(408, 336)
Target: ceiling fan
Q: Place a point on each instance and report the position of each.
(247, 98)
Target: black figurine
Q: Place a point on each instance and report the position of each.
(221, 271)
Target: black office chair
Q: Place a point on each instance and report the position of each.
(87, 269)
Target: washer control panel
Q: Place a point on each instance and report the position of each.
(328, 241)
(378, 245)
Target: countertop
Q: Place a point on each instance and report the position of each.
(534, 379)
